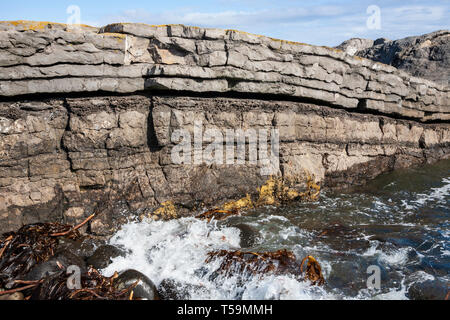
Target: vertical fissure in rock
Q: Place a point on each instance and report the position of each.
(152, 139)
(66, 130)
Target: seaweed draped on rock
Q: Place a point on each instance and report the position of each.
(87, 116)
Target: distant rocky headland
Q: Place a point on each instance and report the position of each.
(426, 56)
(87, 114)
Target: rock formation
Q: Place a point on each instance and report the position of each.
(87, 115)
(426, 56)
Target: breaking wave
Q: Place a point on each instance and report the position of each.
(402, 231)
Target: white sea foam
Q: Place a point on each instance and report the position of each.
(173, 249)
(178, 249)
(439, 195)
(421, 276)
(393, 257)
(283, 288)
(274, 217)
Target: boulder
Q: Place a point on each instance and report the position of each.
(145, 288)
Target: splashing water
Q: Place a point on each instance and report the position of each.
(399, 222)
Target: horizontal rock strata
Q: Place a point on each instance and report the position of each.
(58, 157)
(87, 117)
(51, 58)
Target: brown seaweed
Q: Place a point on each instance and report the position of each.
(94, 286)
(313, 271)
(258, 263)
(32, 244)
(22, 250)
(275, 191)
(217, 214)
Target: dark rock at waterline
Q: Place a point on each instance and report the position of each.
(249, 235)
(170, 289)
(428, 290)
(60, 261)
(145, 289)
(103, 256)
(340, 237)
(347, 276)
(83, 248)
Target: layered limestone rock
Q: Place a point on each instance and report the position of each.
(87, 118)
(61, 157)
(125, 58)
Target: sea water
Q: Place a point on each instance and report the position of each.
(399, 223)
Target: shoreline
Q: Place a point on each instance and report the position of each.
(88, 119)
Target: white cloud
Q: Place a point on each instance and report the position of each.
(232, 17)
(323, 25)
(417, 13)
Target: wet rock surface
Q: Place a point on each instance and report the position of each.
(84, 247)
(103, 256)
(170, 289)
(60, 261)
(429, 290)
(144, 288)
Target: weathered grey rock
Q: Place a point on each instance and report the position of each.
(355, 45)
(126, 58)
(67, 159)
(426, 56)
(104, 143)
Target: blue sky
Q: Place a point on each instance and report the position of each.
(320, 22)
